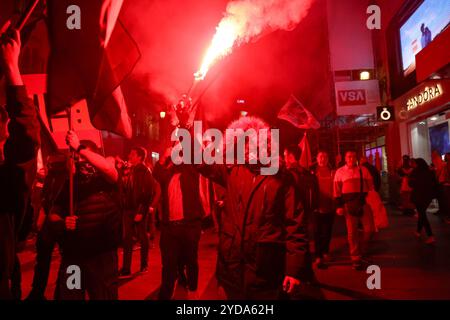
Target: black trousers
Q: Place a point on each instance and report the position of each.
(446, 202)
(423, 222)
(7, 254)
(441, 200)
(323, 228)
(45, 244)
(99, 277)
(179, 242)
(131, 229)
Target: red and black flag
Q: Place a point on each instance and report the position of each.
(295, 113)
(91, 53)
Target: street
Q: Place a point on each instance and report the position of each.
(410, 269)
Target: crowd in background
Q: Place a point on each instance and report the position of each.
(421, 183)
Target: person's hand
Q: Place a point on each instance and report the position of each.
(71, 222)
(151, 210)
(119, 163)
(138, 218)
(72, 140)
(340, 211)
(9, 56)
(290, 284)
(220, 203)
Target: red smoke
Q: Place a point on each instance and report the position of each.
(174, 35)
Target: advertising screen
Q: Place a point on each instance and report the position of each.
(440, 139)
(430, 18)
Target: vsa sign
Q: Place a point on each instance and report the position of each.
(353, 97)
(385, 113)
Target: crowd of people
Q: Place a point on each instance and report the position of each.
(94, 205)
(421, 183)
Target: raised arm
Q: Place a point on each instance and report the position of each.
(104, 165)
(23, 141)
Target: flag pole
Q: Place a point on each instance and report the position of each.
(20, 23)
(71, 166)
(26, 15)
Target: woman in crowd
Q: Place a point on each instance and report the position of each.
(424, 188)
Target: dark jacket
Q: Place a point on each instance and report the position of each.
(306, 188)
(262, 234)
(375, 176)
(18, 170)
(137, 195)
(99, 224)
(189, 181)
(424, 186)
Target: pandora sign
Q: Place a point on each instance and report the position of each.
(428, 94)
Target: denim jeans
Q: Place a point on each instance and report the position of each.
(358, 243)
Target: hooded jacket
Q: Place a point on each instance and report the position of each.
(262, 231)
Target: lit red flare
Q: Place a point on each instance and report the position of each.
(221, 45)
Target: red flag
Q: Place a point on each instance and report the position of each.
(90, 62)
(295, 113)
(306, 158)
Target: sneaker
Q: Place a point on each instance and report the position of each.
(144, 270)
(430, 240)
(124, 274)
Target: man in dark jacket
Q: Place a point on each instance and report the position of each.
(92, 235)
(139, 195)
(181, 220)
(20, 145)
(306, 187)
(263, 246)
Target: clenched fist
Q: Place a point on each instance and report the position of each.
(9, 56)
(72, 140)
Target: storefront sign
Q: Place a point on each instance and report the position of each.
(428, 94)
(357, 97)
